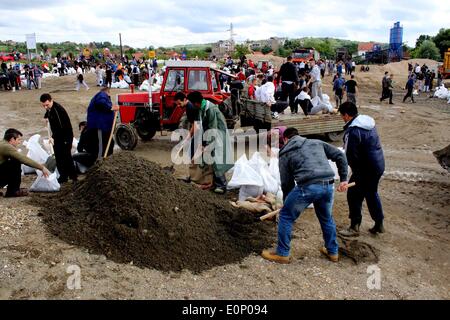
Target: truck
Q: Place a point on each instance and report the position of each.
(342, 54)
(444, 69)
(142, 114)
(304, 55)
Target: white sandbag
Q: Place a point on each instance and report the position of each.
(270, 183)
(315, 101)
(71, 71)
(442, 93)
(247, 191)
(144, 86)
(42, 184)
(35, 152)
(257, 162)
(50, 75)
(92, 70)
(81, 168)
(244, 174)
(120, 85)
(74, 146)
(274, 169)
(260, 165)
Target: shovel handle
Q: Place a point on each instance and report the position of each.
(111, 135)
(269, 215)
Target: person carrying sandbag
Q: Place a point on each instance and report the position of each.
(10, 164)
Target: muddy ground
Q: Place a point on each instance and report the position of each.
(413, 255)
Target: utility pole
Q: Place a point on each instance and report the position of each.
(121, 51)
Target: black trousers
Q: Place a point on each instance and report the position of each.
(64, 161)
(288, 91)
(10, 175)
(84, 158)
(409, 94)
(280, 106)
(365, 188)
(387, 93)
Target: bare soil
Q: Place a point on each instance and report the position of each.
(413, 255)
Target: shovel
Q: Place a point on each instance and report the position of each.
(50, 164)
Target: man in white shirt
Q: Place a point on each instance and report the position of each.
(266, 94)
(316, 81)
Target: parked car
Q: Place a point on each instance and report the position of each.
(6, 57)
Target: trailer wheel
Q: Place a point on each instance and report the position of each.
(334, 136)
(126, 137)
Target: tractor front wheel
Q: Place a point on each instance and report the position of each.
(126, 137)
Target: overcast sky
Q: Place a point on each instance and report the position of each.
(167, 22)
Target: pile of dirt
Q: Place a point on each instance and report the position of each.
(132, 210)
(372, 79)
(358, 251)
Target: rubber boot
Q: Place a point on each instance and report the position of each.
(352, 231)
(377, 228)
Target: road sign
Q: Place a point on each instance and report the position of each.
(152, 54)
(31, 41)
(86, 52)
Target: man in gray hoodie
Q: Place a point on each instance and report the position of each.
(306, 177)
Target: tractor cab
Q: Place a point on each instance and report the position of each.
(144, 113)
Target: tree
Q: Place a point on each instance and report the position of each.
(421, 39)
(266, 50)
(427, 50)
(241, 50)
(442, 40)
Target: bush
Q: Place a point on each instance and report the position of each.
(427, 50)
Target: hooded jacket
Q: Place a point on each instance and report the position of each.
(363, 147)
(99, 113)
(305, 161)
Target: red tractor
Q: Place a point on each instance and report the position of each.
(144, 113)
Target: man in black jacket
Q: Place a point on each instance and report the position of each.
(62, 136)
(288, 77)
(366, 159)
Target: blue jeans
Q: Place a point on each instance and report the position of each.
(321, 195)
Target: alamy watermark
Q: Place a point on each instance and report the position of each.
(374, 280)
(74, 280)
(215, 146)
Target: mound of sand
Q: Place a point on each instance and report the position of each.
(373, 78)
(130, 209)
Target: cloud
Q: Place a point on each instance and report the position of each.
(170, 22)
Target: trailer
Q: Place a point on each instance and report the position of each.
(257, 114)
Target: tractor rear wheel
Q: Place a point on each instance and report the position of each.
(126, 137)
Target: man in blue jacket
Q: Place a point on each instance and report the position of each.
(365, 158)
(100, 117)
(306, 177)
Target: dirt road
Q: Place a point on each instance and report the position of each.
(413, 254)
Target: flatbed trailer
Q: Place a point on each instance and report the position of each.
(258, 115)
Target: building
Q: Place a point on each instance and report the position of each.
(274, 43)
(364, 47)
(222, 48)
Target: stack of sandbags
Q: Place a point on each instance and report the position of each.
(50, 75)
(261, 205)
(256, 176)
(122, 84)
(442, 93)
